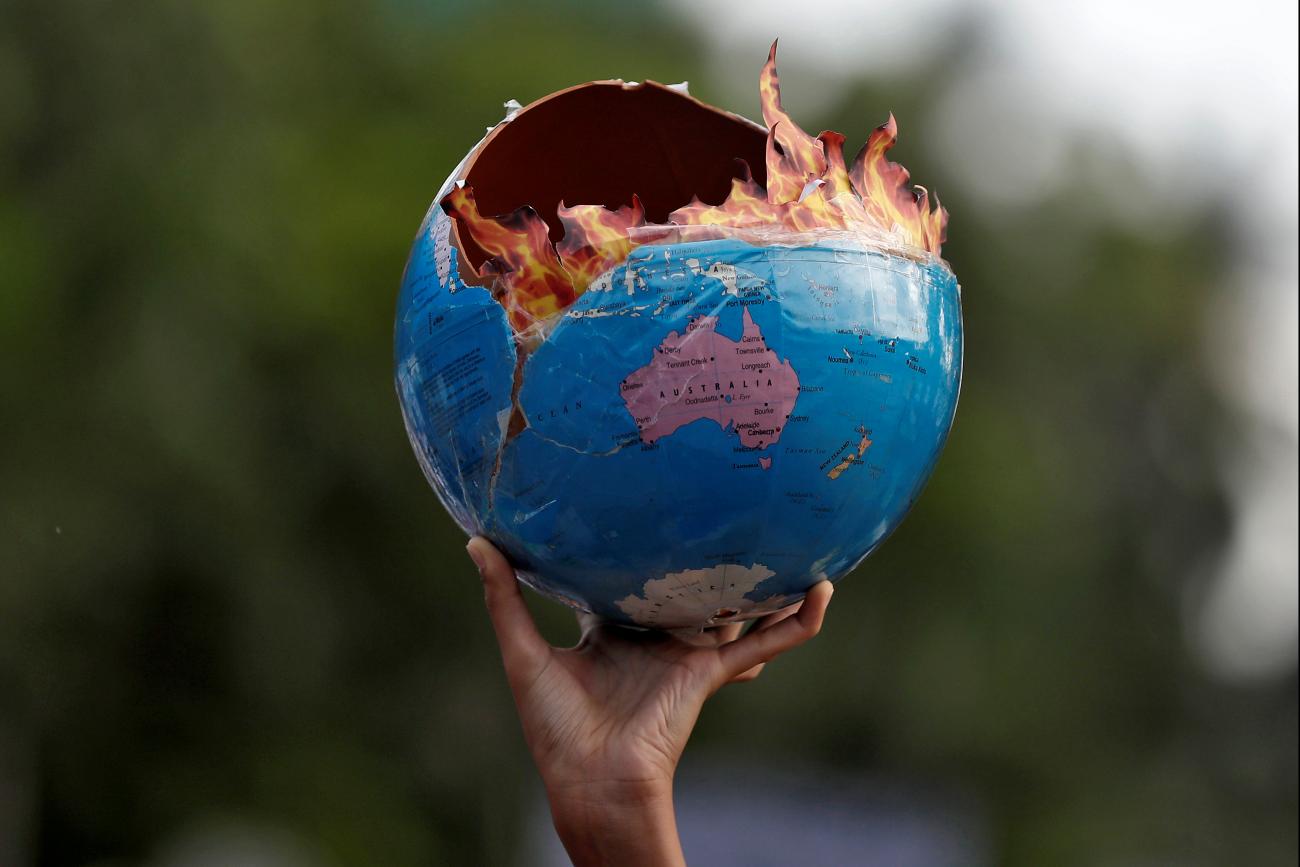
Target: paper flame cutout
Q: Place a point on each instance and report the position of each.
(521, 255)
(809, 187)
(596, 239)
(882, 186)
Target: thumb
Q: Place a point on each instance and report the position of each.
(523, 650)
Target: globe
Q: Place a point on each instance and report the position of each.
(712, 427)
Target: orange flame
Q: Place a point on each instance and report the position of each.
(890, 205)
(596, 239)
(809, 187)
(746, 205)
(793, 157)
(534, 283)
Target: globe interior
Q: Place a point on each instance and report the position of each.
(604, 142)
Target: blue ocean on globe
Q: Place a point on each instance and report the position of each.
(710, 429)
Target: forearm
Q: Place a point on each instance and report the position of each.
(618, 827)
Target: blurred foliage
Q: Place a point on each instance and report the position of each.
(228, 595)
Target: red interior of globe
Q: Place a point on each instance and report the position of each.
(604, 142)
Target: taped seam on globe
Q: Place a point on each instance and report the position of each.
(866, 238)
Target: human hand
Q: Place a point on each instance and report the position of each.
(607, 720)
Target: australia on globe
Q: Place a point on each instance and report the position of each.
(685, 404)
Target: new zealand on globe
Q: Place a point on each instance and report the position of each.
(679, 366)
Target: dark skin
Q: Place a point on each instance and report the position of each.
(607, 719)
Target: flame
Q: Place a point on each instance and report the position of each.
(596, 239)
(882, 186)
(746, 205)
(809, 187)
(793, 157)
(532, 280)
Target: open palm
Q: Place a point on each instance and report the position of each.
(615, 711)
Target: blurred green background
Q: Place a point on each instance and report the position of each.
(231, 608)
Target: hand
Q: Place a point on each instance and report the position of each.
(607, 719)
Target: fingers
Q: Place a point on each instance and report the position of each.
(523, 650)
(766, 643)
(727, 633)
(719, 635)
(767, 621)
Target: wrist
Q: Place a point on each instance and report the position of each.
(618, 823)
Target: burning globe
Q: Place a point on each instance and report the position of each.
(678, 365)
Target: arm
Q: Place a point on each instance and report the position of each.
(607, 720)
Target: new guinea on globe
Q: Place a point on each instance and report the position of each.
(678, 365)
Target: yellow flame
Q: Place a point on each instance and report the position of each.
(746, 205)
(793, 157)
(596, 239)
(883, 188)
(532, 280)
(809, 187)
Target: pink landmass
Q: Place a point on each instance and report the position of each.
(701, 374)
(765, 463)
